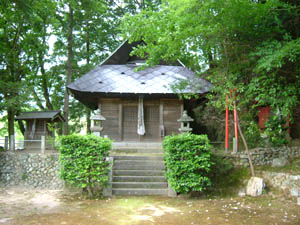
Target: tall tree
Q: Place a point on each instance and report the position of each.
(69, 66)
(20, 21)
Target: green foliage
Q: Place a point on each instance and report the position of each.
(24, 176)
(226, 179)
(252, 46)
(276, 131)
(253, 135)
(83, 160)
(220, 167)
(187, 158)
(33, 45)
(251, 130)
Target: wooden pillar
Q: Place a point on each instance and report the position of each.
(93, 122)
(140, 136)
(43, 144)
(227, 126)
(181, 107)
(161, 120)
(235, 147)
(99, 105)
(121, 121)
(235, 125)
(45, 127)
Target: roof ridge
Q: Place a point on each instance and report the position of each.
(42, 111)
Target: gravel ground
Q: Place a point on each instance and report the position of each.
(25, 206)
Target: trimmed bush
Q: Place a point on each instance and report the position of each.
(83, 161)
(188, 161)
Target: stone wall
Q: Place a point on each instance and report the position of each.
(284, 181)
(263, 156)
(32, 170)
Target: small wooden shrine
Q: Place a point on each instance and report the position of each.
(40, 124)
(138, 105)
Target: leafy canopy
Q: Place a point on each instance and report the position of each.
(252, 46)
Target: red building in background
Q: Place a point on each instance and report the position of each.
(263, 115)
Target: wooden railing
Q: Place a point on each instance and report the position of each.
(42, 144)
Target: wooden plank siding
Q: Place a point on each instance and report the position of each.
(171, 113)
(41, 129)
(110, 111)
(130, 115)
(121, 118)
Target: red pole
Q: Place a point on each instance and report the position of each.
(235, 124)
(226, 126)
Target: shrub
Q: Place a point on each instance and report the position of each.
(276, 131)
(187, 158)
(226, 179)
(83, 161)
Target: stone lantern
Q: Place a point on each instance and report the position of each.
(185, 120)
(97, 124)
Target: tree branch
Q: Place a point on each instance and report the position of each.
(246, 147)
(37, 99)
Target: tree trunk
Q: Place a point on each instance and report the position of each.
(90, 192)
(69, 71)
(11, 120)
(88, 121)
(246, 147)
(210, 58)
(88, 111)
(44, 83)
(37, 99)
(21, 124)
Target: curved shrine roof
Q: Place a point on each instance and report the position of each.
(125, 79)
(118, 76)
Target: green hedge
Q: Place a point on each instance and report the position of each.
(188, 161)
(83, 160)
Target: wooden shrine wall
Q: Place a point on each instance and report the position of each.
(160, 118)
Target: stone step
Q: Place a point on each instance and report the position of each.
(113, 154)
(138, 165)
(138, 150)
(142, 191)
(140, 185)
(130, 157)
(139, 179)
(116, 145)
(138, 172)
(138, 162)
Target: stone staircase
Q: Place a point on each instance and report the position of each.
(138, 171)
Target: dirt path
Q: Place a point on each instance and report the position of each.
(21, 206)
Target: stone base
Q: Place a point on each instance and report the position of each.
(32, 170)
(255, 186)
(171, 192)
(279, 162)
(107, 191)
(294, 192)
(242, 192)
